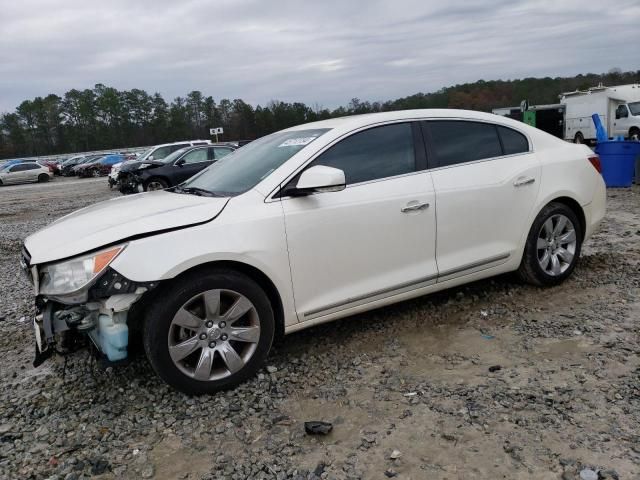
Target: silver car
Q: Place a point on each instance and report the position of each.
(24, 172)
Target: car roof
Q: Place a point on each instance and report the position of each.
(191, 142)
(356, 121)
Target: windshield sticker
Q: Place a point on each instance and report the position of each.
(296, 142)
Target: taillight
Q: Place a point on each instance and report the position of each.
(595, 161)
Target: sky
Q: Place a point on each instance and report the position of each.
(321, 52)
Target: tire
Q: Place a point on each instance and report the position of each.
(634, 134)
(155, 183)
(94, 173)
(579, 138)
(198, 364)
(540, 268)
(43, 177)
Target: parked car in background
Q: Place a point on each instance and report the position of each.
(52, 165)
(69, 167)
(177, 167)
(155, 153)
(24, 172)
(11, 162)
(311, 224)
(99, 167)
(74, 158)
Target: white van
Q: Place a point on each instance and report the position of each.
(618, 108)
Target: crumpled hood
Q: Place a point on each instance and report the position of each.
(118, 219)
(130, 165)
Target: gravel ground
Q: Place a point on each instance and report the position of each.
(492, 380)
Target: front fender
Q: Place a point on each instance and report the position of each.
(250, 233)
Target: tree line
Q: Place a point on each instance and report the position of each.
(107, 118)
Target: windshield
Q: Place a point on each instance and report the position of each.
(634, 108)
(249, 165)
(172, 157)
(143, 156)
(90, 159)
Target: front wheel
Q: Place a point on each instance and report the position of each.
(155, 184)
(578, 139)
(553, 246)
(209, 332)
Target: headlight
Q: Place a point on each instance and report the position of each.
(72, 275)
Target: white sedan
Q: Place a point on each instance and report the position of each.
(311, 224)
(24, 172)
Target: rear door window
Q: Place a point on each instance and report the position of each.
(457, 141)
(513, 142)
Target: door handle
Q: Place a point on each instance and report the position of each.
(523, 181)
(412, 207)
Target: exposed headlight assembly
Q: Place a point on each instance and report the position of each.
(70, 276)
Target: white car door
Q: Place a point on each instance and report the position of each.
(486, 180)
(375, 238)
(33, 171)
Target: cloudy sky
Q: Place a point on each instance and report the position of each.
(319, 52)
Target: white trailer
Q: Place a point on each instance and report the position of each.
(618, 108)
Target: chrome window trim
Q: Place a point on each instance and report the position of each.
(271, 196)
(482, 160)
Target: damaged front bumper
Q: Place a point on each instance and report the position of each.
(100, 315)
(129, 182)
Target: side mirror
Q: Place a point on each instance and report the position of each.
(181, 162)
(150, 157)
(318, 179)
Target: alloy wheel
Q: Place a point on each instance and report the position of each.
(214, 335)
(556, 245)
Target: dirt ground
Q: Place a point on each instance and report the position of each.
(493, 380)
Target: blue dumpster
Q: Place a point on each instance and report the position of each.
(618, 161)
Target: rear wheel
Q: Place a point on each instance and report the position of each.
(553, 246)
(209, 332)
(43, 177)
(579, 138)
(156, 184)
